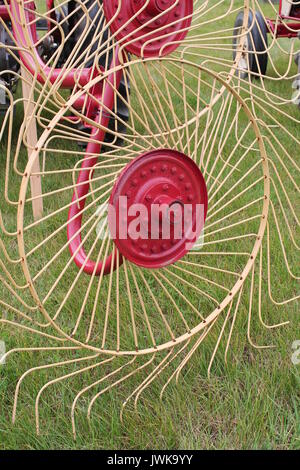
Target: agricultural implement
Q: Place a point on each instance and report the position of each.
(160, 121)
(255, 54)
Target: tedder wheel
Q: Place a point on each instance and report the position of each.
(9, 69)
(149, 28)
(81, 27)
(132, 289)
(84, 36)
(104, 279)
(84, 25)
(254, 58)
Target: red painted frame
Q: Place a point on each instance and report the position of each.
(100, 94)
(285, 25)
(107, 99)
(4, 14)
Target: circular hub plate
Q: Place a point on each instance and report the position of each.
(158, 208)
(149, 28)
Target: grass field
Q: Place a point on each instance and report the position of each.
(251, 402)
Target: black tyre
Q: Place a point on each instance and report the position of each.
(296, 85)
(77, 23)
(9, 69)
(9, 65)
(124, 89)
(255, 57)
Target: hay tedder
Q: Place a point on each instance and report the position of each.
(255, 55)
(138, 136)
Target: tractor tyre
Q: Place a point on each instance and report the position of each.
(77, 23)
(255, 58)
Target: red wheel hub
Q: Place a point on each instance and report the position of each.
(149, 28)
(158, 208)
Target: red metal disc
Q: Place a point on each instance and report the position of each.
(149, 28)
(158, 208)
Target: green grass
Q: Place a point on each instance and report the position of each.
(252, 402)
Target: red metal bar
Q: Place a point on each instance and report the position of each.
(4, 13)
(83, 182)
(72, 79)
(34, 61)
(296, 15)
(283, 30)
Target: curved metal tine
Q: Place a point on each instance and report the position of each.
(260, 279)
(279, 303)
(64, 377)
(145, 382)
(193, 349)
(42, 367)
(219, 340)
(162, 367)
(172, 375)
(28, 329)
(111, 374)
(121, 380)
(251, 342)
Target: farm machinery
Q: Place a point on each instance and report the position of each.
(254, 59)
(61, 30)
(99, 269)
